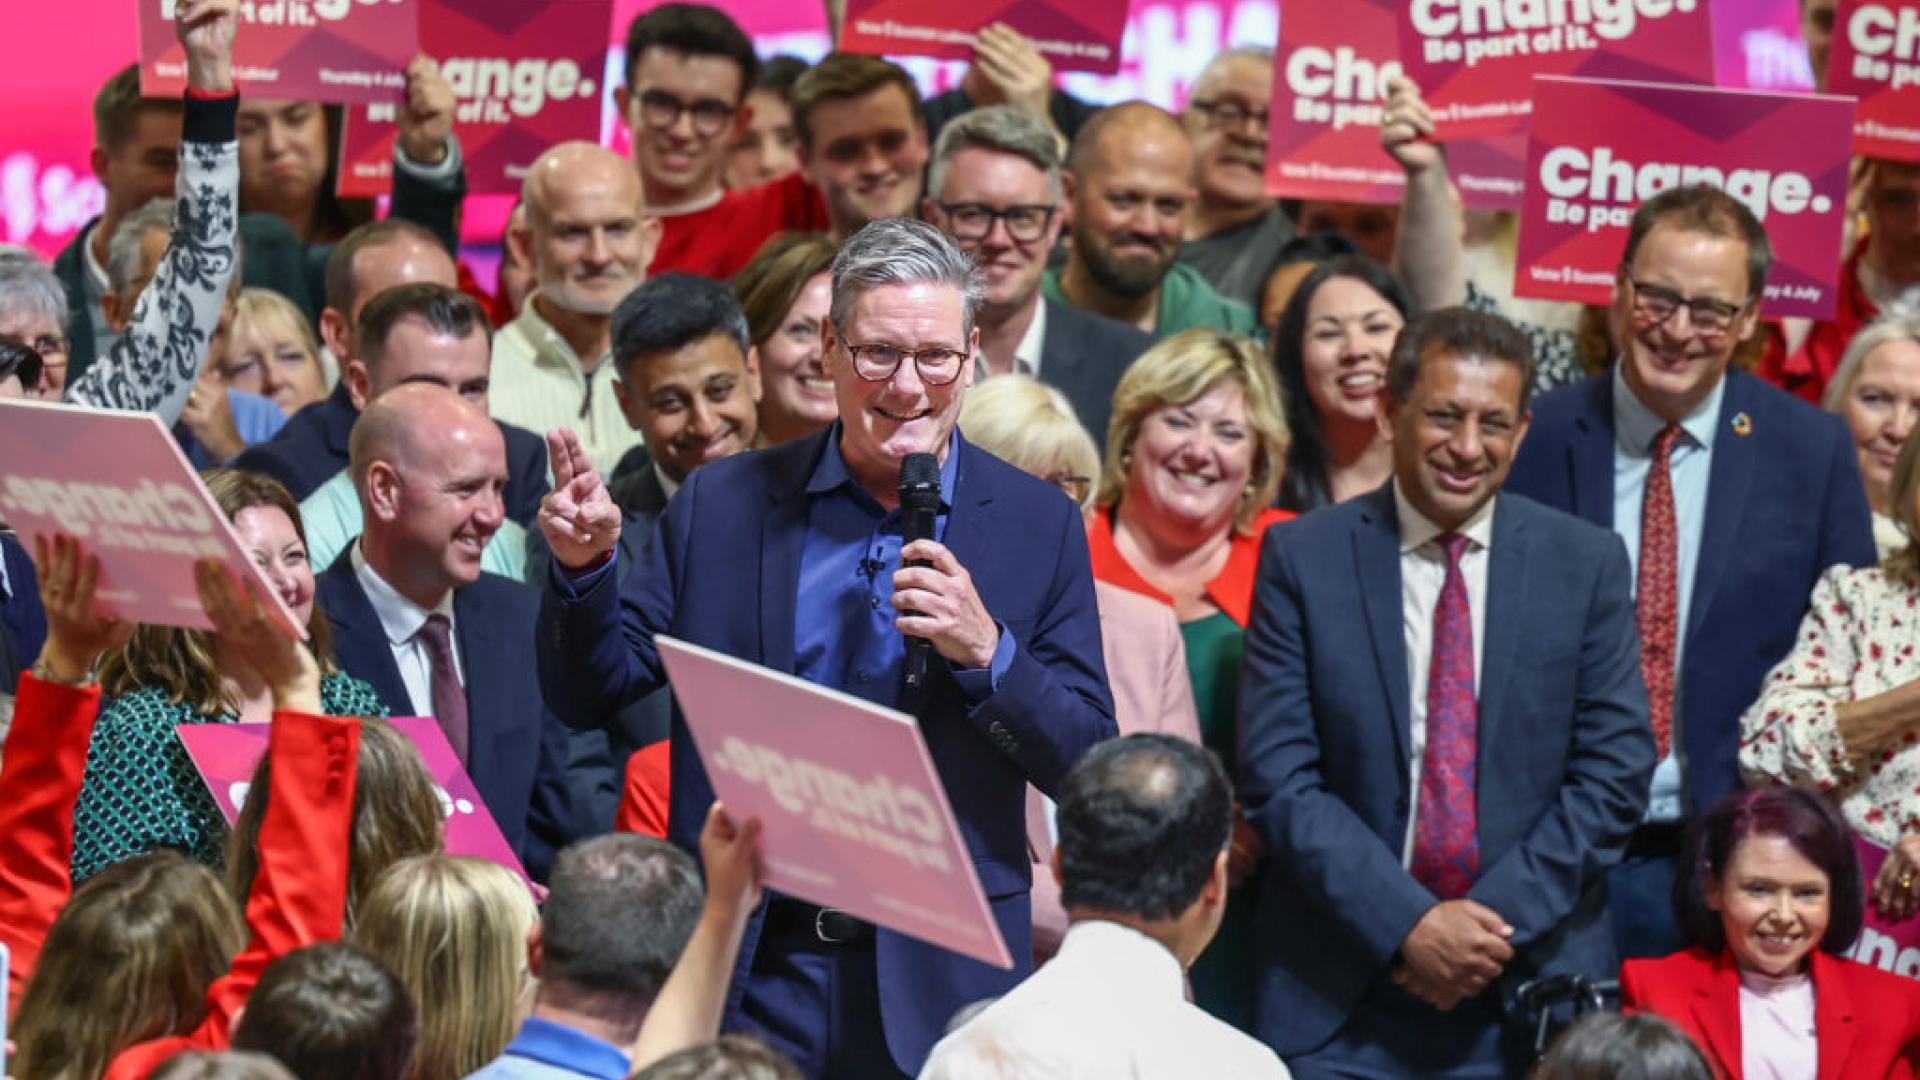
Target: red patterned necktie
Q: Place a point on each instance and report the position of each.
(1656, 588)
(1446, 843)
(449, 697)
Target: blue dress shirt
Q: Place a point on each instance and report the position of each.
(545, 1050)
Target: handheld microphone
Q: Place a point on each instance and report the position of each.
(919, 508)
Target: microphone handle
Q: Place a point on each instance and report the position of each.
(918, 526)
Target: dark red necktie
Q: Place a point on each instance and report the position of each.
(1446, 842)
(449, 697)
(1656, 588)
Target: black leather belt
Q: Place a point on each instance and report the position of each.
(1656, 840)
(825, 926)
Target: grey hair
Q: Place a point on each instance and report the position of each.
(29, 285)
(1262, 53)
(1005, 129)
(123, 247)
(902, 251)
(1900, 323)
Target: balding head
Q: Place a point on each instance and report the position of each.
(587, 234)
(1130, 180)
(429, 467)
(1115, 136)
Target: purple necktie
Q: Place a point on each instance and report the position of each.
(1446, 845)
(449, 697)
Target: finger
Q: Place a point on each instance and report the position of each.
(558, 459)
(921, 579)
(83, 590)
(934, 553)
(1487, 918)
(577, 455)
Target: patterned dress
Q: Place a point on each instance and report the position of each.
(141, 791)
(1858, 639)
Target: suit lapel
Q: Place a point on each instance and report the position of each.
(1376, 555)
(339, 420)
(1716, 1010)
(782, 533)
(1506, 590)
(360, 642)
(1591, 454)
(1833, 1016)
(1728, 483)
(485, 678)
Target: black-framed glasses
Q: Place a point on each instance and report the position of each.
(660, 110)
(876, 362)
(974, 221)
(1710, 316)
(1230, 114)
(50, 345)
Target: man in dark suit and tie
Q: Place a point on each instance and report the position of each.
(413, 615)
(1444, 738)
(793, 558)
(1731, 496)
(995, 188)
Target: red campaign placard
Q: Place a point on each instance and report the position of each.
(526, 75)
(347, 51)
(1598, 149)
(1475, 59)
(1330, 77)
(1876, 58)
(1889, 946)
(1074, 35)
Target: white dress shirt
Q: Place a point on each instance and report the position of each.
(402, 619)
(1423, 571)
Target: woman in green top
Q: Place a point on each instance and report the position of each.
(141, 792)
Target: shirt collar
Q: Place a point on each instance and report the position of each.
(96, 273)
(1131, 957)
(400, 617)
(667, 483)
(831, 471)
(570, 1049)
(1416, 530)
(1635, 425)
(1026, 355)
(549, 347)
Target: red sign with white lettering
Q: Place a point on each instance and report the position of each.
(1876, 58)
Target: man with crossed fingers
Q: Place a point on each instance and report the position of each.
(793, 558)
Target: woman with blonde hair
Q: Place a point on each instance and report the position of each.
(1195, 452)
(784, 292)
(454, 929)
(1876, 390)
(141, 790)
(272, 352)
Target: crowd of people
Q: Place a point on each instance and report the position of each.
(1325, 653)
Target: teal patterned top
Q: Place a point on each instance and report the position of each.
(141, 791)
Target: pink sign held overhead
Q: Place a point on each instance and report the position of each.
(853, 813)
(1598, 149)
(1876, 58)
(118, 483)
(1073, 35)
(1475, 59)
(1889, 946)
(227, 754)
(527, 76)
(295, 50)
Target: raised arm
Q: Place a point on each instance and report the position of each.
(1428, 252)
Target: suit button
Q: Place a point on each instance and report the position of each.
(861, 675)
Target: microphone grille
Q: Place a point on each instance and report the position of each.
(920, 470)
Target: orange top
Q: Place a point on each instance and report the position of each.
(1231, 590)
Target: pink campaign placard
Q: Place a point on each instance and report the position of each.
(1073, 35)
(118, 483)
(1330, 77)
(227, 754)
(1598, 149)
(286, 50)
(1889, 946)
(1475, 59)
(1876, 58)
(527, 76)
(853, 814)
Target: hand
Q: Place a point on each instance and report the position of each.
(730, 855)
(1007, 69)
(209, 415)
(578, 517)
(426, 120)
(1245, 852)
(1896, 888)
(77, 630)
(245, 623)
(1405, 126)
(205, 29)
(938, 602)
(1456, 949)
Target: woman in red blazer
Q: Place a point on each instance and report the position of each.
(1772, 897)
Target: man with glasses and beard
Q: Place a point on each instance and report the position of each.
(1130, 179)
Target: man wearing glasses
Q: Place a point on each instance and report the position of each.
(994, 186)
(794, 558)
(1732, 498)
(1236, 230)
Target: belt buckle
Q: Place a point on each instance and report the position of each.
(820, 927)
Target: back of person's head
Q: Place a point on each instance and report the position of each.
(619, 911)
(228, 1065)
(1703, 208)
(397, 814)
(1609, 1046)
(1031, 426)
(772, 281)
(331, 1012)
(128, 959)
(454, 929)
(1142, 821)
(671, 311)
(694, 30)
(844, 76)
(730, 1057)
(1807, 821)
(445, 311)
(344, 284)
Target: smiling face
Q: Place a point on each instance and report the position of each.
(1774, 904)
(1231, 159)
(694, 404)
(797, 396)
(865, 154)
(268, 537)
(1191, 463)
(1349, 336)
(884, 421)
(978, 176)
(1455, 436)
(1131, 201)
(682, 159)
(1670, 364)
(768, 148)
(586, 236)
(448, 506)
(1881, 407)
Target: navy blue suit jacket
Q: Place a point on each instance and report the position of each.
(1564, 756)
(517, 750)
(1784, 502)
(1084, 355)
(313, 447)
(722, 571)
